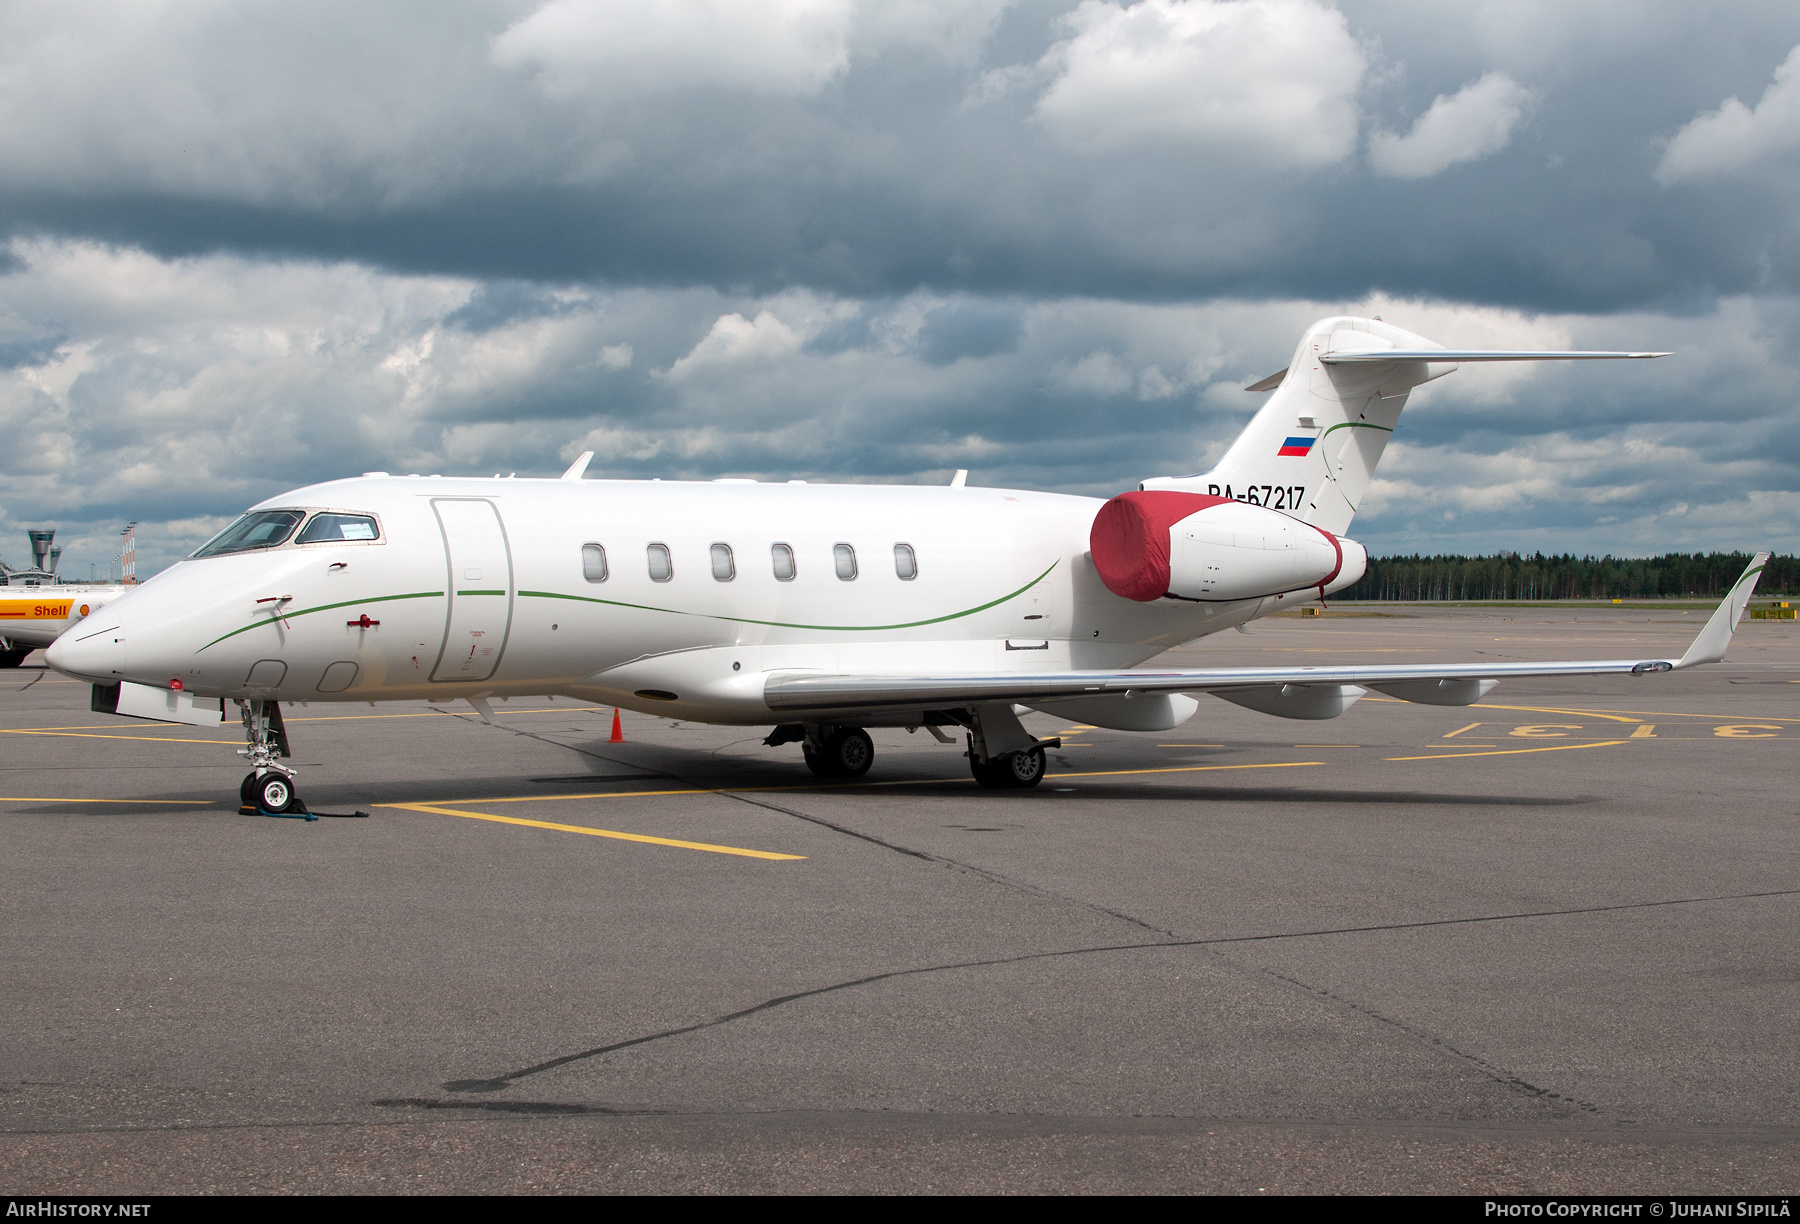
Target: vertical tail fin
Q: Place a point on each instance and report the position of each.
(1312, 449)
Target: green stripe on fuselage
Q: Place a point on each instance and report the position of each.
(617, 603)
(348, 603)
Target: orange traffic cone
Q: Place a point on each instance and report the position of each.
(618, 735)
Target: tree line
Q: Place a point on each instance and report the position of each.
(1515, 576)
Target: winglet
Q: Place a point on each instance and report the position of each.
(1271, 382)
(1709, 646)
(578, 467)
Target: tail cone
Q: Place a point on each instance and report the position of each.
(618, 732)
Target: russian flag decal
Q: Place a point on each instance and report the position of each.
(1296, 446)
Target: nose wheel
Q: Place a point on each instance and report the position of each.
(268, 789)
(271, 794)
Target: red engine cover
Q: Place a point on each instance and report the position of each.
(1130, 539)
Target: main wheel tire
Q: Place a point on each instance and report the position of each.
(986, 775)
(247, 790)
(817, 762)
(1024, 769)
(14, 657)
(274, 793)
(849, 752)
(1014, 771)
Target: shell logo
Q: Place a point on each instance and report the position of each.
(84, 609)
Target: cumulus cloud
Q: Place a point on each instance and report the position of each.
(625, 48)
(1477, 120)
(177, 391)
(829, 148)
(735, 339)
(1736, 138)
(954, 29)
(1270, 81)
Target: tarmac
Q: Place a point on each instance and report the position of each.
(1549, 943)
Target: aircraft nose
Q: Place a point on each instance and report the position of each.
(87, 653)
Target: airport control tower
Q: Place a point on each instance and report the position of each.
(44, 556)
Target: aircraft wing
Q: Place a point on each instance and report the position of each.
(1433, 684)
(1463, 355)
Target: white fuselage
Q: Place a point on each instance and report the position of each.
(476, 588)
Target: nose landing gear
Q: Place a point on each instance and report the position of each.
(268, 789)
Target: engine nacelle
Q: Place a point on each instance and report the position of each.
(1196, 546)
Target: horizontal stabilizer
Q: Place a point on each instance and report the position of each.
(1461, 355)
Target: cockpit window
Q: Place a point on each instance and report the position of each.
(259, 529)
(335, 528)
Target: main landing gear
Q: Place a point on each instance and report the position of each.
(1014, 771)
(838, 752)
(847, 752)
(268, 789)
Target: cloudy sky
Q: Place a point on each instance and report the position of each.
(253, 245)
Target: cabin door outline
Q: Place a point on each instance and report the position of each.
(478, 589)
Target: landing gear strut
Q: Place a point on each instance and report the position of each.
(1002, 754)
(268, 789)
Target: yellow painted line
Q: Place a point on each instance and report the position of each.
(163, 739)
(824, 786)
(1190, 745)
(27, 799)
(1636, 715)
(1460, 730)
(1509, 751)
(1548, 710)
(567, 828)
(692, 790)
(1110, 773)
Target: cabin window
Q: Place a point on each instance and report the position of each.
(661, 568)
(262, 529)
(336, 528)
(724, 568)
(783, 557)
(844, 557)
(593, 562)
(905, 563)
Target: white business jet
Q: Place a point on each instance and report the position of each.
(818, 609)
